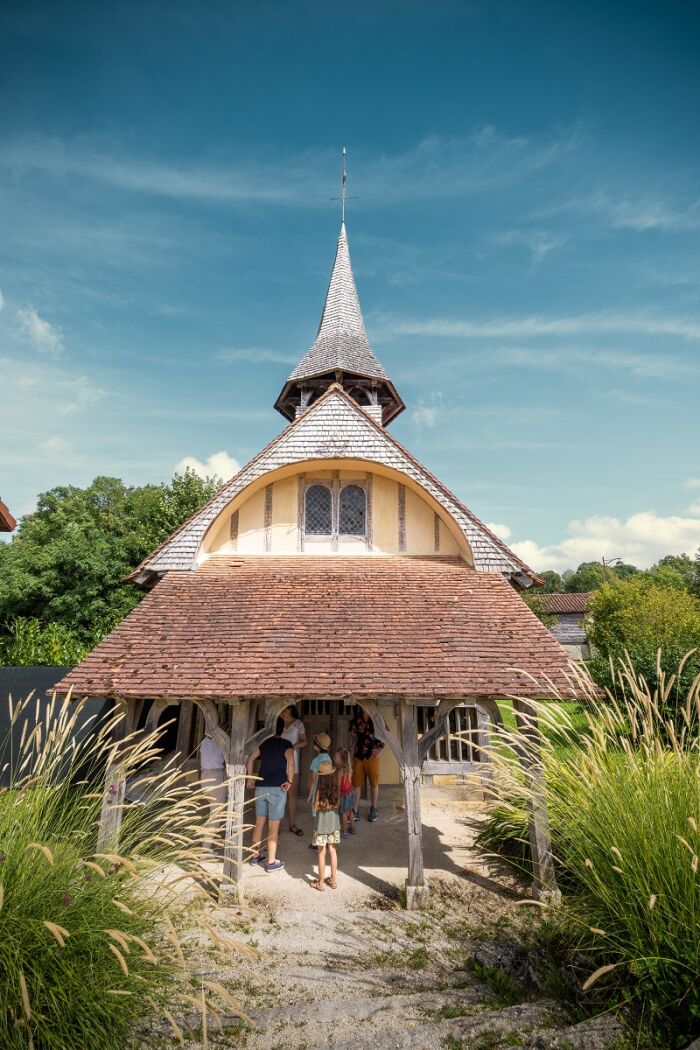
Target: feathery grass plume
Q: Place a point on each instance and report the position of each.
(64, 974)
(623, 797)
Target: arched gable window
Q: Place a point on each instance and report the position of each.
(318, 511)
(352, 511)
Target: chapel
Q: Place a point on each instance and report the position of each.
(334, 570)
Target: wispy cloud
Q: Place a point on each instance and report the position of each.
(437, 166)
(537, 325)
(45, 389)
(256, 356)
(43, 336)
(640, 212)
(2, 302)
(54, 446)
(539, 243)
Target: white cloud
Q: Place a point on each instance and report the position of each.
(256, 356)
(44, 388)
(501, 530)
(44, 337)
(2, 302)
(641, 539)
(54, 445)
(692, 483)
(219, 465)
(603, 323)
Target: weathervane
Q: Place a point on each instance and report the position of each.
(343, 197)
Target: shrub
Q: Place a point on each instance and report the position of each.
(652, 628)
(82, 948)
(624, 807)
(28, 643)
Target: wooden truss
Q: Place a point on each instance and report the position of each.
(409, 749)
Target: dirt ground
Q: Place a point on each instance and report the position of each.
(351, 969)
(372, 862)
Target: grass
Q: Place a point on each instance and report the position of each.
(623, 794)
(88, 946)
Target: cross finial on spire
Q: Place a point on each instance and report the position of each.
(343, 192)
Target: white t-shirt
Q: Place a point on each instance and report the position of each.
(210, 756)
(293, 733)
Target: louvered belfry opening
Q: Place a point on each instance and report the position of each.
(341, 353)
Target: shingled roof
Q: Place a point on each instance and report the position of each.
(318, 627)
(565, 602)
(341, 341)
(335, 427)
(341, 347)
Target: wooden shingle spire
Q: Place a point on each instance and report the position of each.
(341, 352)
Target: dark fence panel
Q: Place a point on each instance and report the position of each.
(18, 683)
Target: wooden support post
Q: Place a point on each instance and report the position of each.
(416, 889)
(232, 884)
(115, 781)
(184, 731)
(410, 753)
(544, 886)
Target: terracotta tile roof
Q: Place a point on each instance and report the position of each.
(7, 522)
(313, 626)
(335, 427)
(565, 603)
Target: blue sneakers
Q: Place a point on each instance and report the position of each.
(276, 865)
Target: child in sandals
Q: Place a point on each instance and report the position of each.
(326, 833)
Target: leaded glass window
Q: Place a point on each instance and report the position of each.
(318, 511)
(352, 511)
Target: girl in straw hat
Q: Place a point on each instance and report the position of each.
(326, 834)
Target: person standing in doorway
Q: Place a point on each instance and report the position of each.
(366, 750)
(293, 731)
(213, 777)
(276, 777)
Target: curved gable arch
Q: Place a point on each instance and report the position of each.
(254, 503)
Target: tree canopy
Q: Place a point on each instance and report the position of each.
(644, 618)
(67, 562)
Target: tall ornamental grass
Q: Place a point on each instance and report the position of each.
(87, 944)
(624, 807)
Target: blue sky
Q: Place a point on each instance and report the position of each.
(525, 244)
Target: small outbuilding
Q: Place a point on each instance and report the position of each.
(569, 613)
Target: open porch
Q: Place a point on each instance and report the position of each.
(410, 640)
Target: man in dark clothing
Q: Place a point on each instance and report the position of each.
(276, 777)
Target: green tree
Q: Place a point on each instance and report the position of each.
(589, 576)
(641, 617)
(67, 562)
(553, 583)
(675, 570)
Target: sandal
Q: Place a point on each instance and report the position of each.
(295, 830)
(332, 883)
(317, 885)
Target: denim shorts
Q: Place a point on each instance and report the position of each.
(270, 802)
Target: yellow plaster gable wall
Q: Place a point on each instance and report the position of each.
(242, 527)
